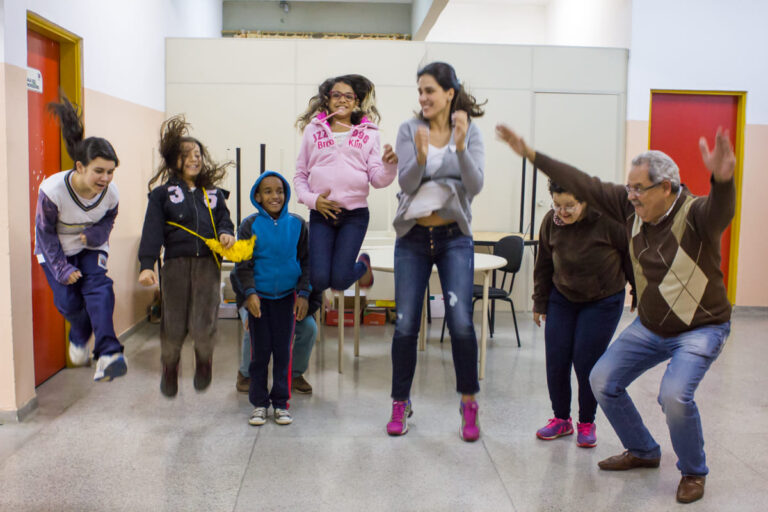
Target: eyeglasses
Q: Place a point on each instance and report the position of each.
(640, 190)
(336, 95)
(565, 209)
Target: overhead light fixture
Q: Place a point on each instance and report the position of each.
(284, 6)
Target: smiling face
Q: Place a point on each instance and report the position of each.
(341, 100)
(92, 179)
(271, 195)
(434, 100)
(567, 207)
(190, 162)
(651, 200)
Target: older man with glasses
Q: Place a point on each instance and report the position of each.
(683, 311)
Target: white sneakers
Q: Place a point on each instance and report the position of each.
(259, 417)
(109, 367)
(79, 355)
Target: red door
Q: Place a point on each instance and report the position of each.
(44, 160)
(677, 123)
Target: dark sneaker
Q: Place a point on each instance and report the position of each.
(169, 382)
(203, 371)
(243, 383)
(300, 385)
(470, 426)
(555, 428)
(367, 280)
(283, 417)
(258, 417)
(398, 422)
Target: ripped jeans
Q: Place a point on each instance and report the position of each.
(415, 253)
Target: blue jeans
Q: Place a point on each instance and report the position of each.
(636, 350)
(303, 341)
(576, 334)
(88, 304)
(415, 253)
(333, 248)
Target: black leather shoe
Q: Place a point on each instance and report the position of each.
(169, 383)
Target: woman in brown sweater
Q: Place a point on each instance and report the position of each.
(579, 280)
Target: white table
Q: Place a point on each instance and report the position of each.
(384, 260)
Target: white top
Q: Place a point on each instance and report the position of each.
(340, 137)
(430, 196)
(75, 213)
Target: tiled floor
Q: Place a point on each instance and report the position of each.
(123, 446)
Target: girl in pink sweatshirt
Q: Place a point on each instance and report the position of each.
(338, 161)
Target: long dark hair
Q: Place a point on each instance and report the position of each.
(79, 148)
(445, 76)
(174, 132)
(365, 94)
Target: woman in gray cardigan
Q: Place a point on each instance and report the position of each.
(440, 169)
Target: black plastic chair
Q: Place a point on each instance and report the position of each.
(510, 248)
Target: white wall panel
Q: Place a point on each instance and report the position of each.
(253, 91)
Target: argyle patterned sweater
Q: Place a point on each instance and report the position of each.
(677, 261)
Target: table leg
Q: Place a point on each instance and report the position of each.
(484, 328)
(357, 319)
(423, 328)
(340, 298)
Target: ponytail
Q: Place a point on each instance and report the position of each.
(78, 148)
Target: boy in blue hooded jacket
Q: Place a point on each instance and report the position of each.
(275, 284)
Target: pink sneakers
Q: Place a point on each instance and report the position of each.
(586, 437)
(398, 422)
(555, 428)
(470, 427)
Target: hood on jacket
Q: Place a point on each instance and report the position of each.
(286, 188)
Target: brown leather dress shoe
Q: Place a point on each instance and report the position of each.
(300, 385)
(627, 461)
(691, 488)
(243, 383)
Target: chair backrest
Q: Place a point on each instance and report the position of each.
(511, 248)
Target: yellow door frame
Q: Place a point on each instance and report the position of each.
(741, 96)
(70, 63)
(70, 82)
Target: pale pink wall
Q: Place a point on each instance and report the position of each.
(752, 271)
(134, 131)
(16, 358)
(752, 281)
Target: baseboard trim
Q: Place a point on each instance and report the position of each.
(135, 327)
(19, 415)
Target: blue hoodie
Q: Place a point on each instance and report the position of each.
(280, 262)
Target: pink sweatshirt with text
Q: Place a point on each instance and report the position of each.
(345, 170)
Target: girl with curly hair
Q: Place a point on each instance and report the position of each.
(338, 162)
(187, 199)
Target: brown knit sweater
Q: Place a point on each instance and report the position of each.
(677, 261)
(586, 261)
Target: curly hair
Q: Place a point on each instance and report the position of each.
(365, 94)
(79, 148)
(445, 76)
(174, 132)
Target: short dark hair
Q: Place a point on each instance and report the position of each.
(555, 188)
